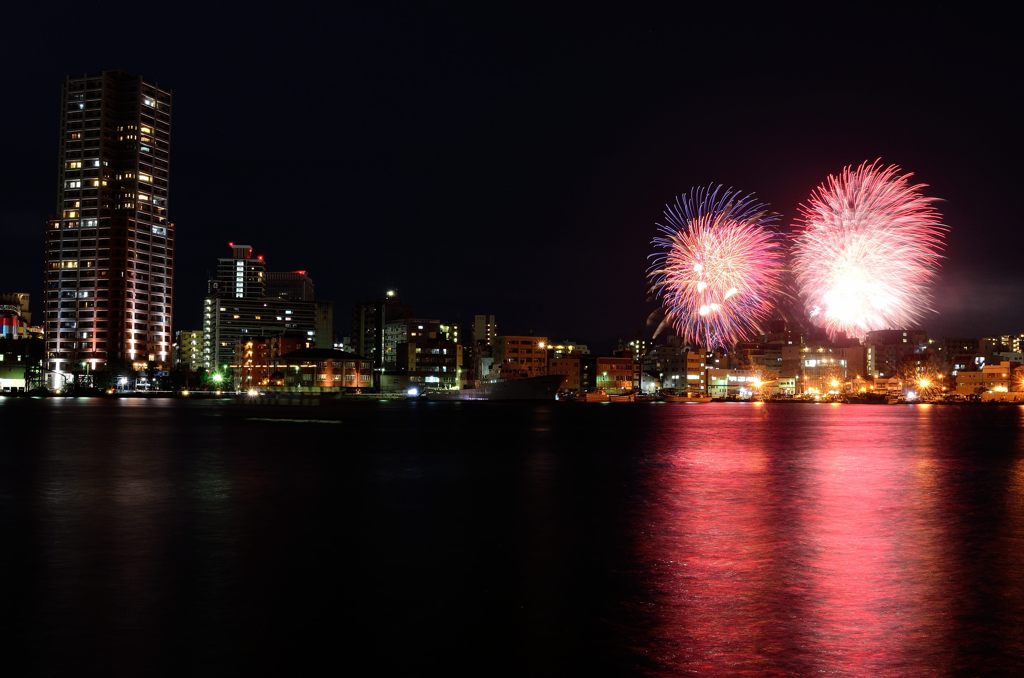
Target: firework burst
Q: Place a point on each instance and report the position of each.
(867, 250)
(718, 266)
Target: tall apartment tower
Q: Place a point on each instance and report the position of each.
(110, 248)
(485, 329)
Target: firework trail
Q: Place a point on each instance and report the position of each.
(718, 266)
(866, 251)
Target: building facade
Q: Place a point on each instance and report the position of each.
(237, 309)
(188, 346)
(520, 357)
(109, 251)
(485, 329)
(368, 323)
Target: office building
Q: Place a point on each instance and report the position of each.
(109, 250)
(237, 309)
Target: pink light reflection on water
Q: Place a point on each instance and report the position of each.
(817, 552)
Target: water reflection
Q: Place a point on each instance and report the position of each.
(825, 546)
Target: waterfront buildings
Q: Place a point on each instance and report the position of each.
(485, 329)
(886, 349)
(289, 364)
(368, 322)
(996, 378)
(569, 367)
(520, 356)
(429, 362)
(617, 373)
(237, 308)
(404, 330)
(15, 316)
(319, 370)
(188, 346)
(109, 249)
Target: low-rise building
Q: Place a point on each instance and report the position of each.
(617, 374)
(324, 370)
(430, 362)
(520, 356)
(569, 368)
(996, 378)
(731, 383)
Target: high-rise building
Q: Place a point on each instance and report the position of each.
(369, 321)
(292, 285)
(240, 276)
(485, 329)
(110, 247)
(237, 309)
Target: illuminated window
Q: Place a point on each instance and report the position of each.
(76, 135)
(75, 164)
(144, 197)
(70, 214)
(146, 101)
(74, 184)
(145, 177)
(144, 149)
(146, 130)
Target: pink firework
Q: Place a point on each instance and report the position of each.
(718, 268)
(867, 250)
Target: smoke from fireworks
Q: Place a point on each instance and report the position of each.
(867, 250)
(718, 267)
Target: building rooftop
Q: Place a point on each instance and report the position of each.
(321, 354)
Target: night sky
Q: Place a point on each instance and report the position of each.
(515, 163)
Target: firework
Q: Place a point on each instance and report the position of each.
(867, 250)
(718, 266)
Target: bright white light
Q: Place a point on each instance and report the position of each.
(412, 392)
(252, 393)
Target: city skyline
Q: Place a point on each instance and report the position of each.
(553, 215)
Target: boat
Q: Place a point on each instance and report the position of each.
(673, 396)
(622, 397)
(598, 396)
(533, 388)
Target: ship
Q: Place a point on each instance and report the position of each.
(533, 388)
(673, 396)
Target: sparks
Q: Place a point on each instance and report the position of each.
(718, 266)
(867, 249)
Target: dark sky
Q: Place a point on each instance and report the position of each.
(515, 163)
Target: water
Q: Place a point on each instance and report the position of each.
(188, 538)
